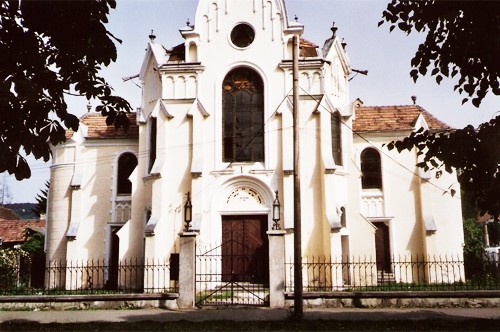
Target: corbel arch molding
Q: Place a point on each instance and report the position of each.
(240, 195)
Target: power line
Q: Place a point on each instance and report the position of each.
(381, 151)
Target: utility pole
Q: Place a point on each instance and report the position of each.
(298, 310)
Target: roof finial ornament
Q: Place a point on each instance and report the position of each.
(414, 98)
(188, 23)
(89, 107)
(334, 30)
(296, 18)
(344, 44)
(152, 36)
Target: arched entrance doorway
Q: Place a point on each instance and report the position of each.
(236, 271)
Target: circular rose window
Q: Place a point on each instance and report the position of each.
(242, 35)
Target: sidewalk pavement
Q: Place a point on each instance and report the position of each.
(244, 314)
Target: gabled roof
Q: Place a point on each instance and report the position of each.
(155, 52)
(159, 52)
(98, 129)
(15, 230)
(393, 118)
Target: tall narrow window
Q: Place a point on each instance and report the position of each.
(152, 143)
(243, 116)
(343, 217)
(126, 164)
(371, 169)
(336, 124)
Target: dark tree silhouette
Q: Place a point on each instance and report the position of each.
(463, 41)
(50, 49)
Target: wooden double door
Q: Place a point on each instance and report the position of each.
(245, 249)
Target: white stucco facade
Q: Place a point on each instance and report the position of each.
(182, 146)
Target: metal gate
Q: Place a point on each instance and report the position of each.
(236, 272)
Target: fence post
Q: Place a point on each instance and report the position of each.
(187, 270)
(276, 268)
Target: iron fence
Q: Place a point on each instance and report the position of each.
(405, 273)
(90, 277)
(226, 279)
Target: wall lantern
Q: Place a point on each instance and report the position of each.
(276, 213)
(188, 213)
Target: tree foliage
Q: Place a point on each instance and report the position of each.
(462, 37)
(461, 40)
(34, 243)
(475, 153)
(473, 238)
(51, 49)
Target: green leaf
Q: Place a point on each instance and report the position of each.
(49, 49)
(22, 170)
(414, 74)
(404, 26)
(110, 119)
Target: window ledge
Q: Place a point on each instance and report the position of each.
(261, 171)
(122, 198)
(151, 177)
(223, 172)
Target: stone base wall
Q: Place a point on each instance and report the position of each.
(90, 305)
(400, 303)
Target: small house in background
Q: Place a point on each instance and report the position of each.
(24, 239)
(15, 231)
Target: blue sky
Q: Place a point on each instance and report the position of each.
(385, 55)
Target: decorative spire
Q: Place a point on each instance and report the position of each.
(152, 37)
(414, 98)
(344, 44)
(188, 23)
(89, 107)
(296, 18)
(334, 30)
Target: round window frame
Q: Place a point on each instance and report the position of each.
(235, 42)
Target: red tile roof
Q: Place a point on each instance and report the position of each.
(393, 118)
(98, 129)
(177, 53)
(307, 48)
(15, 230)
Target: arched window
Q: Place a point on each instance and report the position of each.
(243, 116)
(336, 123)
(371, 169)
(126, 164)
(152, 143)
